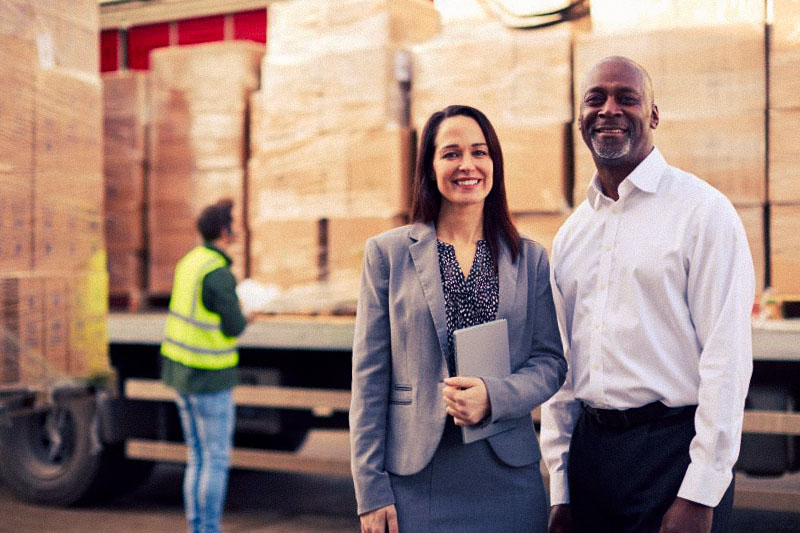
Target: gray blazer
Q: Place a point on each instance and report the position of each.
(397, 413)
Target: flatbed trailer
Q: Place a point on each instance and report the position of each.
(294, 395)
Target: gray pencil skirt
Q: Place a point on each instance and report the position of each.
(467, 488)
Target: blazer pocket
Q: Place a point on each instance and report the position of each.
(401, 395)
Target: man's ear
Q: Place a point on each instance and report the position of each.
(654, 117)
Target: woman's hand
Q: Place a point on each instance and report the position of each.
(380, 520)
(466, 400)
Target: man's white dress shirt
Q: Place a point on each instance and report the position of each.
(654, 293)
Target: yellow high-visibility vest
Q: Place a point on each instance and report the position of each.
(193, 336)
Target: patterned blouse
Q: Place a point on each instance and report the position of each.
(470, 301)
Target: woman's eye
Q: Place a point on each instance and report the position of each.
(449, 155)
(480, 153)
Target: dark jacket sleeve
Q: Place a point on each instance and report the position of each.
(219, 296)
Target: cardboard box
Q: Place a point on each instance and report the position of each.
(523, 76)
(785, 249)
(126, 95)
(286, 253)
(784, 156)
(56, 324)
(536, 166)
(23, 343)
(316, 26)
(16, 107)
(126, 271)
(125, 229)
(124, 184)
(784, 55)
(541, 227)
(16, 222)
(623, 16)
(346, 238)
(696, 72)
(753, 221)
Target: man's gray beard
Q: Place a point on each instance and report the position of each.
(609, 153)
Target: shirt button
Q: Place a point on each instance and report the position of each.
(607, 248)
(602, 286)
(595, 367)
(615, 210)
(596, 325)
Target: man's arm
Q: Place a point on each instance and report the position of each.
(560, 413)
(219, 296)
(720, 295)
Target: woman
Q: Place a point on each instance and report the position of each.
(410, 466)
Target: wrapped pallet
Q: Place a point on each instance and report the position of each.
(51, 161)
(784, 55)
(521, 80)
(710, 89)
(329, 131)
(198, 147)
(125, 125)
(708, 82)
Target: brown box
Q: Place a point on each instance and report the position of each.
(696, 72)
(126, 95)
(536, 166)
(524, 75)
(728, 152)
(67, 34)
(125, 229)
(784, 55)
(286, 252)
(124, 138)
(56, 324)
(785, 249)
(23, 312)
(379, 172)
(16, 222)
(16, 106)
(124, 184)
(541, 227)
(784, 156)
(125, 271)
(345, 243)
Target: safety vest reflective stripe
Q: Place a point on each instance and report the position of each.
(190, 320)
(193, 335)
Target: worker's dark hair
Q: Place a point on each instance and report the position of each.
(214, 218)
(427, 200)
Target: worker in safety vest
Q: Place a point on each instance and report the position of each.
(199, 361)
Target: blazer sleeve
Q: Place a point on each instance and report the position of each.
(544, 371)
(371, 385)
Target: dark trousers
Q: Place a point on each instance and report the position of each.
(625, 479)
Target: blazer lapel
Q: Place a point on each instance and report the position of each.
(508, 271)
(425, 255)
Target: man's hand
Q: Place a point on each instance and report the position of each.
(380, 520)
(466, 400)
(685, 516)
(560, 519)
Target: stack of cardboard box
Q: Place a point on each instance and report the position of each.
(330, 145)
(125, 120)
(52, 252)
(710, 89)
(784, 150)
(521, 80)
(198, 147)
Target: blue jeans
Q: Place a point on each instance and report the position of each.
(207, 421)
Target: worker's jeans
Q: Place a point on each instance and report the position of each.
(207, 421)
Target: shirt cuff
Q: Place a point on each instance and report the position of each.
(559, 489)
(705, 486)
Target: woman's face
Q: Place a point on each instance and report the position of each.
(461, 162)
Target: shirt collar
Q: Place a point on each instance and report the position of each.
(646, 177)
(209, 245)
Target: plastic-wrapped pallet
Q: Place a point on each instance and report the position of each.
(521, 80)
(329, 135)
(198, 146)
(708, 82)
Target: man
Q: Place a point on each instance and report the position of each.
(199, 362)
(653, 282)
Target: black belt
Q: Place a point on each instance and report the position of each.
(626, 418)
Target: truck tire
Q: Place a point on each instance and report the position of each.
(52, 458)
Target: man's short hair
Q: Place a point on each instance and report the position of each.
(214, 218)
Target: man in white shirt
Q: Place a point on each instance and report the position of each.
(653, 282)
